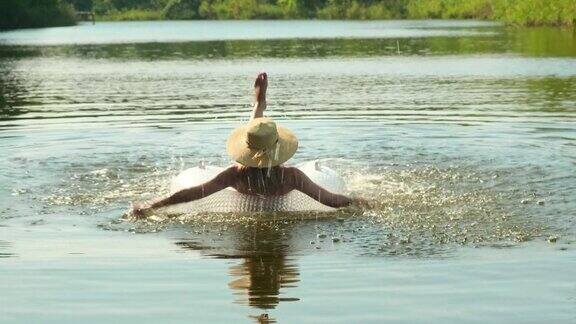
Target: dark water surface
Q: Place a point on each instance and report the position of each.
(462, 133)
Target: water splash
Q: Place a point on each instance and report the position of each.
(416, 210)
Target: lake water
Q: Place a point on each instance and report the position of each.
(462, 133)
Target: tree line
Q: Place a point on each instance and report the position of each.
(36, 13)
(248, 9)
(521, 12)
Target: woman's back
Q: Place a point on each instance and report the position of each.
(279, 180)
(272, 181)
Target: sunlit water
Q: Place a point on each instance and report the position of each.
(462, 134)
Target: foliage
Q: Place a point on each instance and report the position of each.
(450, 9)
(81, 5)
(134, 14)
(35, 13)
(241, 9)
(536, 12)
(299, 8)
(520, 12)
(181, 9)
(525, 12)
(353, 9)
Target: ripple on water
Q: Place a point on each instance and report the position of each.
(4, 247)
(469, 90)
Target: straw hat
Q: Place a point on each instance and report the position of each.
(261, 144)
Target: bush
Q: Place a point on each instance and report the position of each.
(181, 9)
(519, 12)
(134, 14)
(239, 9)
(345, 9)
(536, 12)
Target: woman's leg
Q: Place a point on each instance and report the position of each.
(260, 87)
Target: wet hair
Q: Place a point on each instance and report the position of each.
(262, 181)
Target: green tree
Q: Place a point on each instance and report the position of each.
(181, 9)
(300, 8)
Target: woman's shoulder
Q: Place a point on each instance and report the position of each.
(292, 174)
(291, 168)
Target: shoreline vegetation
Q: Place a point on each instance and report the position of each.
(43, 13)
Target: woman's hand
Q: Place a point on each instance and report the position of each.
(139, 209)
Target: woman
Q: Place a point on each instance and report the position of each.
(260, 147)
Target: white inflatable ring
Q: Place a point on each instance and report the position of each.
(229, 200)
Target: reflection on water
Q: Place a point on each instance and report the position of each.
(11, 92)
(265, 268)
(463, 40)
(261, 277)
(534, 42)
(4, 249)
(544, 42)
(551, 95)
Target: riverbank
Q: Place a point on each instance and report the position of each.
(513, 12)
